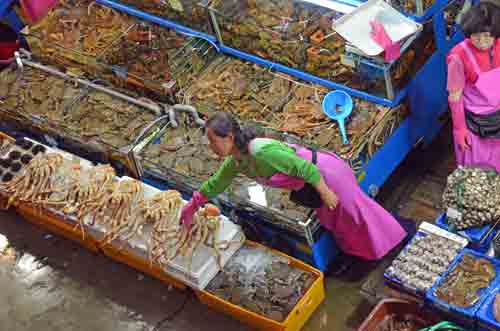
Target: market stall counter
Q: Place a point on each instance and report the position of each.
(139, 225)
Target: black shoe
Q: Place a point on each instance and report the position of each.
(340, 265)
(338, 269)
(409, 226)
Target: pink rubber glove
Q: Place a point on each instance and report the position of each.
(191, 208)
(460, 131)
(35, 10)
(392, 50)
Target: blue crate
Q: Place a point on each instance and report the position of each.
(475, 234)
(397, 284)
(462, 316)
(485, 319)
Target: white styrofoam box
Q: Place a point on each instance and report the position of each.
(204, 263)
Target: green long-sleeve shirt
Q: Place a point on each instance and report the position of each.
(266, 158)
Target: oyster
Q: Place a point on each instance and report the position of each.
(423, 261)
(475, 193)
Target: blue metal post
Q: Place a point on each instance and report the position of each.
(5, 7)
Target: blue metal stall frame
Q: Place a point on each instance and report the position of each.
(429, 12)
(8, 13)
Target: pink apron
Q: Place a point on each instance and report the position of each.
(481, 98)
(35, 10)
(360, 226)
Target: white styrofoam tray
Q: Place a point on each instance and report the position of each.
(355, 26)
(204, 264)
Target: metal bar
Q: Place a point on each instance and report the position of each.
(155, 108)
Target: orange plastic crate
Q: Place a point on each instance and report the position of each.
(141, 264)
(53, 223)
(297, 317)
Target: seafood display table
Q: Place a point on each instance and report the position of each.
(159, 20)
(293, 322)
(133, 251)
(424, 259)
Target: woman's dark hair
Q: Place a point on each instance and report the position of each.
(484, 17)
(223, 124)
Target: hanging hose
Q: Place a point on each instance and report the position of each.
(443, 326)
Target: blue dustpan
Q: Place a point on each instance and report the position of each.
(337, 105)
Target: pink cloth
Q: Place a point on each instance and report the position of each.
(35, 10)
(191, 208)
(360, 226)
(461, 134)
(480, 96)
(392, 50)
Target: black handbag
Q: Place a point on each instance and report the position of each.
(307, 196)
(485, 126)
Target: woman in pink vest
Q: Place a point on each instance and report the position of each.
(474, 88)
(360, 226)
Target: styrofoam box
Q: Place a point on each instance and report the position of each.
(204, 263)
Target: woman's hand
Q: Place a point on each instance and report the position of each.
(328, 196)
(329, 199)
(462, 139)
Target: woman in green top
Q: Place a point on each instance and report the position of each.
(359, 225)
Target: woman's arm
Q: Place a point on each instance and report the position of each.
(220, 180)
(456, 78)
(455, 87)
(328, 196)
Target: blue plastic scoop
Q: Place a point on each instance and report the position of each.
(337, 105)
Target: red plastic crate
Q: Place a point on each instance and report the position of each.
(399, 307)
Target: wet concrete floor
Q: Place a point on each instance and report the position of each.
(49, 283)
